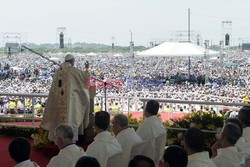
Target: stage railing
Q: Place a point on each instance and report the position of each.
(27, 95)
(128, 100)
(160, 100)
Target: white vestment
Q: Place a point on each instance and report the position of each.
(243, 144)
(149, 130)
(68, 100)
(200, 159)
(103, 147)
(229, 157)
(67, 156)
(26, 163)
(127, 138)
(246, 134)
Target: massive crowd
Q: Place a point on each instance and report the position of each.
(142, 77)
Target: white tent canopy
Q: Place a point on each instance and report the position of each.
(118, 55)
(91, 54)
(54, 58)
(175, 49)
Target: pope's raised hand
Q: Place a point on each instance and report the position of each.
(87, 65)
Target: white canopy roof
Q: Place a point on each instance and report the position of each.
(54, 58)
(91, 54)
(118, 55)
(173, 49)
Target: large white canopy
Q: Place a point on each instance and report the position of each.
(54, 58)
(174, 49)
(91, 54)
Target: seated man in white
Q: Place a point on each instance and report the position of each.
(194, 143)
(69, 152)
(150, 129)
(141, 161)
(243, 144)
(19, 150)
(104, 145)
(224, 151)
(87, 161)
(127, 137)
(175, 156)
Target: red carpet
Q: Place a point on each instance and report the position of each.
(36, 155)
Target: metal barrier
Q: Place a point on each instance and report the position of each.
(32, 96)
(144, 100)
(101, 98)
(128, 99)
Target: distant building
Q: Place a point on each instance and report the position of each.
(245, 46)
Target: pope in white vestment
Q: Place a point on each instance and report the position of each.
(68, 100)
(200, 159)
(67, 156)
(103, 147)
(127, 138)
(26, 163)
(149, 130)
(229, 157)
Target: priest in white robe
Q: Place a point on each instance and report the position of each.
(150, 129)
(127, 137)
(194, 143)
(19, 151)
(69, 152)
(68, 100)
(224, 151)
(104, 145)
(243, 144)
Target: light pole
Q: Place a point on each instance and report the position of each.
(206, 62)
(131, 36)
(222, 55)
(131, 44)
(131, 70)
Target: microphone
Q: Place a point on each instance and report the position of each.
(60, 80)
(59, 83)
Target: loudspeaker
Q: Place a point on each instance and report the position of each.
(227, 39)
(61, 36)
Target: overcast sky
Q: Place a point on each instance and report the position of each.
(96, 21)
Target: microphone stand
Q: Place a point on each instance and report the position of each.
(105, 89)
(105, 94)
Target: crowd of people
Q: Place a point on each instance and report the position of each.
(144, 147)
(141, 77)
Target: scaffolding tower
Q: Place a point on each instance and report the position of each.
(11, 42)
(226, 34)
(61, 36)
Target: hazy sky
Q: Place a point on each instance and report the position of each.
(96, 21)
